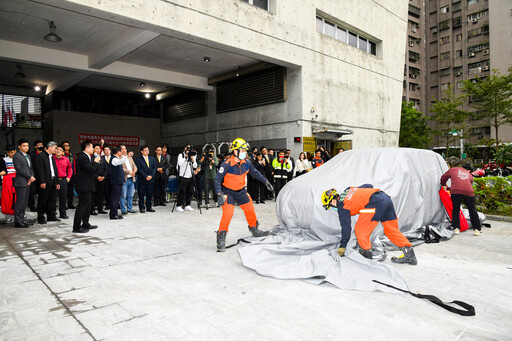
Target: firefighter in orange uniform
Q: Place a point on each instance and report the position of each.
(230, 186)
(372, 205)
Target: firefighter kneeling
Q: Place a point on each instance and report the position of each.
(372, 205)
(230, 186)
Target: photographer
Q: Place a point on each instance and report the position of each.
(209, 163)
(186, 165)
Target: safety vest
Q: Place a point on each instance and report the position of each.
(357, 199)
(281, 169)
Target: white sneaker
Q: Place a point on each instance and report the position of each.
(207, 206)
(456, 231)
(180, 209)
(476, 233)
(188, 208)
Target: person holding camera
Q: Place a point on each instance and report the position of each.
(209, 163)
(230, 187)
(186, 165)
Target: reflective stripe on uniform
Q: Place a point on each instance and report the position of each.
(367, 210)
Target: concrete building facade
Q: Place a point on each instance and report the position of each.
(334, 68)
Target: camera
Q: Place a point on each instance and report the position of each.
(190, 151)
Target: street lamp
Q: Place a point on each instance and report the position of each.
(461, 139)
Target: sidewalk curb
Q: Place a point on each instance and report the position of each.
(507, 219)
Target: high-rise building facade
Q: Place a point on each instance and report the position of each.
(414, 68)
(457, 40)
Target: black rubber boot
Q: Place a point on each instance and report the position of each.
(221, 241)
(366, 253)
(408, 257)
(257, 232)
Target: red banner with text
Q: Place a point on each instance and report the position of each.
(111, 140)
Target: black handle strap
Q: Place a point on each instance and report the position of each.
(241, 240)
(468, 310)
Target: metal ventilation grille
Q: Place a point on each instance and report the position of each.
(260, 88)
(184, 106)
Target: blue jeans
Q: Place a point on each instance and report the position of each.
(127, 195)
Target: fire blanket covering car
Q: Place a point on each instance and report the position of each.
(303, 245)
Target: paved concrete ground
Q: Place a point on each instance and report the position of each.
(156, 276)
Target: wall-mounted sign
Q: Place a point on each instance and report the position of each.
(111, 140)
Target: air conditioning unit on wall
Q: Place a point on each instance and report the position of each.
(485, 68)
(486, 52)
(411, 44)
(471, 55)
(458, 74)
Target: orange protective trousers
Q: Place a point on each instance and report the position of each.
(245, 202)
(365, 226)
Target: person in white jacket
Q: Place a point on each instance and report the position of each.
(302, 165)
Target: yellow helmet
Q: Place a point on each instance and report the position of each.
(239, 144)
(328, 196)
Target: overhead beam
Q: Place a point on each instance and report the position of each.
(124, 43)
(77, 62)
(64, 83)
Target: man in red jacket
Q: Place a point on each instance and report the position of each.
(372, 205)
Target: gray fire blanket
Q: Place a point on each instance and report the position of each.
(303, 245)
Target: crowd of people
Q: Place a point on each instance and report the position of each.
(47, 178)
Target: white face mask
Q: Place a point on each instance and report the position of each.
(242, 155)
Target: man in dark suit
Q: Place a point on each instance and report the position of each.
(146, 166)
(46, 176)
(98, 195)
(268, 170)
(24, 178)
(117, 179)
(38, 148)
(106, 183)
(85, 177)
(160, 177)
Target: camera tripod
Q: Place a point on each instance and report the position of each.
(195, 189)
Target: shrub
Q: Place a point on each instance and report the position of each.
(494, 194)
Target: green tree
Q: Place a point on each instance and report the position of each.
(414, 132)
(492, 99)
(448, 113)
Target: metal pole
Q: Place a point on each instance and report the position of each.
(461, 142)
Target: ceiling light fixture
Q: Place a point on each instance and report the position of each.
(147, 95)
(142, 84)
(52, 36)
(206, 59)
(20, 73)
(37, 88)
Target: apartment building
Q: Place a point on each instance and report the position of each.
(449, 41)
(415, 61)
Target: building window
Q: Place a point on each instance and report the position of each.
(445, 9)
(24, 111)
(414, 57)
(456, 7)
(458, 53)
(444, 40)
(352, 39)
(258, 3)
(457, 71)
(478, 15)
(329, 29)
(472, 2)
(460, 85)
(445, 86)
(475, 32)
(479, 67)
(458, 37)
(444, 25)
(445, 55)
(480, 47)
(457, 22)
(345, 36)
(341, 34)
(415, 11)
(445, 71)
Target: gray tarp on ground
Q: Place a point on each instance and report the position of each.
(305, 242)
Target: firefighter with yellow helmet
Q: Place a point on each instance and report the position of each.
(372, 205)
(230, 185)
